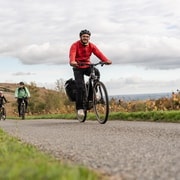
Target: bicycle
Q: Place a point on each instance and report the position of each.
(2, 112)
(95, 97)
(22, 108)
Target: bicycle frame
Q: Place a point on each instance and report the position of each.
(90, 84)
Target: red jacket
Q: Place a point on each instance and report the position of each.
(81, 53)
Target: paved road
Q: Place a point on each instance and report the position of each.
(126, 150)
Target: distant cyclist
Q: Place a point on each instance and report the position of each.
(80, 52)
(2, 101)
(22, 92)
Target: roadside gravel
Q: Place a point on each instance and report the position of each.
(125, 150)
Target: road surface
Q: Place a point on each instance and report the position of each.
(122, 149)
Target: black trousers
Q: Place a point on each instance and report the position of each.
(80, 84)
(19, 100)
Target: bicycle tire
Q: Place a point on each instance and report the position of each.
(22, 111)
(1, 114)
(101, 103)
(4, 114)
(82, 118)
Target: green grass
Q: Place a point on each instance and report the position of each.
(156, 116)
(159, 116)
(23, 161)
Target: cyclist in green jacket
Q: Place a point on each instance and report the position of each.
(20, 93)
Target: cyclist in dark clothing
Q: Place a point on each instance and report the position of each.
(3, 100)
(80, 52)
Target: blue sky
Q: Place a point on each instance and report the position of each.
(142, 38)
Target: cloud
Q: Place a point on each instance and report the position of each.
(23, 74)
(135, 85)
(42, 54)
(141, 33)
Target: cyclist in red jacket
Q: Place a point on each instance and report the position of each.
(80, 52)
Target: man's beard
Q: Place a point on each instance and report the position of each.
(85, 43)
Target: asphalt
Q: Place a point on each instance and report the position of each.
(123, 149)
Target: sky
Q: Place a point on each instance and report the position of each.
(141, 37)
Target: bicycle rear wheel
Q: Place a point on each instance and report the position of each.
(101, 102)
(1, 115)
(4, 114)
(82, 118)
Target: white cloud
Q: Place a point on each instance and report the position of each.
(143, 33)
(132, 85)
(23, 74)
(42, 54)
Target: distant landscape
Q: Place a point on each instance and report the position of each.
(37, 103)
(46, 101)
(132, 97)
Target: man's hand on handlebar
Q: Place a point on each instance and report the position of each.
(108, 62)
(74, 63)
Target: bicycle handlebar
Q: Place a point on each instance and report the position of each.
(92, 64)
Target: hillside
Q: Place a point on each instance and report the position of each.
(45, 101)
(8, 91)
(38, 98)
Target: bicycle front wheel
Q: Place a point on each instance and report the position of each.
(22, 111)
(101, 102)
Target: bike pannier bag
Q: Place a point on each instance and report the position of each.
(70, 87)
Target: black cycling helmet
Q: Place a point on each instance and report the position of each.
(21, 83)
(85, 31)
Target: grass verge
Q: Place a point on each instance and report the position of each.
(23, 161)
(156, 116)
